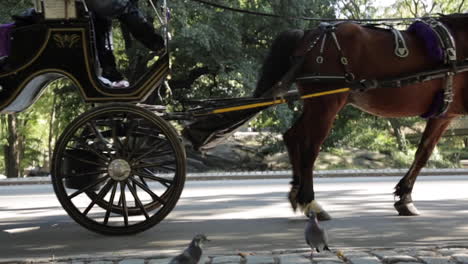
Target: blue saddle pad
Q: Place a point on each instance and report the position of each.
(431, 41)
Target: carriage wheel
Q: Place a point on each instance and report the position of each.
(118, 169)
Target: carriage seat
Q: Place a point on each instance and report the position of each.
(57, 9)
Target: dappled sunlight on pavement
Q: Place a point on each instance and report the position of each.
(245, 216)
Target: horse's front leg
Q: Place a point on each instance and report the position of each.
(435, 128)
(303, 141)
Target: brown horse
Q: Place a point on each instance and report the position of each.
(370, 55)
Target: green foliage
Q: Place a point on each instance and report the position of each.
(59, 105)
(229, 45)
(12, 7)
(418, 8)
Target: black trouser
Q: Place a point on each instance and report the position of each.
(103, 29)
(132, 18)
(140, 28)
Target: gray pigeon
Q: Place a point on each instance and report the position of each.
(315, 236)
(192, 253)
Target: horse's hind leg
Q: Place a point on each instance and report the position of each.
(431, 135)
(303, 141)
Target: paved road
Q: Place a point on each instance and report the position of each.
(246, 216)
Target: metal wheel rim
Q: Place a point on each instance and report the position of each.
(135, 213)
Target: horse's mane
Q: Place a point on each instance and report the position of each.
(455, 20)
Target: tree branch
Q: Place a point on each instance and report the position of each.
(187, 82)
(461, 6)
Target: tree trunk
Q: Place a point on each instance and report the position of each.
(400, 136)
(12, 151)
(50, 142)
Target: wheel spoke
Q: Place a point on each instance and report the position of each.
(134, 148)
(137, 200)
(143, 180)
(128, 135)
(117, 143)
(98, 134)
(87, 187)
(124, 202)
(151, 193)
(111, 202)
(162, 153)
(155, 165)
(67, 154)
(90, 173)
(83, 143)
(100, 195)
(151, 176)
(157, 145)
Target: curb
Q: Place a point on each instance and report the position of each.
(286, 174)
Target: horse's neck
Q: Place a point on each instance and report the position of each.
(458, 25)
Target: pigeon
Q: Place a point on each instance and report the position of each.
(192, 253)
(315, 236)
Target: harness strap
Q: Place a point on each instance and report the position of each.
(319, 58)
(282, 87)
(401, 49)
(448, 94)
(329, 29)
(445, 39)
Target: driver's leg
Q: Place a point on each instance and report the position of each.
(103, 27)
(141, 28)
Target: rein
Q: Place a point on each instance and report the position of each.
(250, 12)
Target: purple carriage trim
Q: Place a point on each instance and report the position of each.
(5, 42)
(431, 41)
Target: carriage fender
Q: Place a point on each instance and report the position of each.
(31, 90)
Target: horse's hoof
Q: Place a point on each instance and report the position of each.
(406, 209)
(292, 197)
(323, 216)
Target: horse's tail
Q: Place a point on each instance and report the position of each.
(208, 131)
(278, 60)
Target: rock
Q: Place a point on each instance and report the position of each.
(245, 151)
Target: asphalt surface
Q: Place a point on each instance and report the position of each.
(243, 216)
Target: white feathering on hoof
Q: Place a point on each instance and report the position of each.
(313, 206)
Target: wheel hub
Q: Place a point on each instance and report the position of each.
(119, 169)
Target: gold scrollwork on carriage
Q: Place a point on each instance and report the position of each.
(66, 40)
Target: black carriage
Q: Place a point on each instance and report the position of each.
(118, 168)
